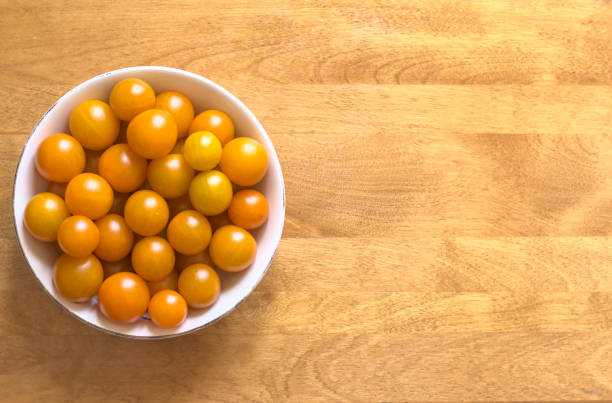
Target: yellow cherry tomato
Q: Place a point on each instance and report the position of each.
(111, 268)
(78, 236)
(94, 124)
(43, 216)
(60, 158)
(216, 122)
(130, 97)
(202, 151)
(123, 297)
(170, 282)
(189, 232)
(249, 209)
(199, 284)
(210, 192)
(179, 106)
(170, 176)
(153, 258)
(152, 133)
(232, 248)
(244, 161)
(146, 212)
(89, 195)
(77, 278)
(116, 238)
(123, 168)
(168, 309)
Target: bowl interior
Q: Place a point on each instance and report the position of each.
(205, 95)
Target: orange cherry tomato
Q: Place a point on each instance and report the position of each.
(219, 220)
(249, 209)
(111, 268)
(244, 161)
(123, 168)
(179, 204)
(210, 192)
(170, 282)
(43, 216)
(57, 188)
(131, 96)
(89, 195)
(123, 297)
(202, 150)
(119, 203)
(77, 278)
(232, 248)
(168, 309)
(179, 106)
(182, 261)
(153, 258)
(170, 175)
(94, 124)
(116, 238)
(78, 236)
(216, 122)
(179, 147)
(199, 284)
(146, 212)
(189, 232)
(152, 133)
(60, 158)
(92, 158)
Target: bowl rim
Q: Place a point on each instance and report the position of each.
(225, 93)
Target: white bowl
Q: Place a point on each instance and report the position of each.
(204, 94)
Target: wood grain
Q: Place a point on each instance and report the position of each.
(447, 167)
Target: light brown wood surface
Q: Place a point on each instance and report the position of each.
(448, 169)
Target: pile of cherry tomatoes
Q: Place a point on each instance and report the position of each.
(143, 198)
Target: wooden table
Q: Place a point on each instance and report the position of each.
(449, 200)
